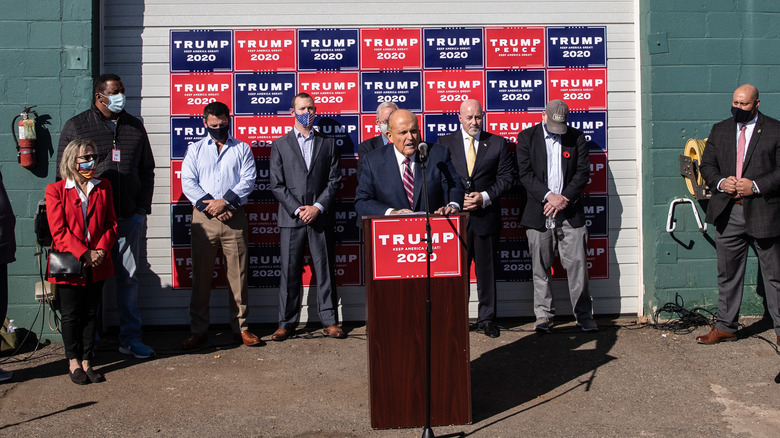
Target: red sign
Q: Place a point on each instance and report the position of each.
(514, 47)
(264, 49)
(581, 89)
(368, 128)
(445, 90)
(181, 269)
(400, 252)
(333, 92)
(176, 193)
(511, 209)
(598, 260)
(391, 48)
(508, 125)
(260, 131)
(597, 183)
(349, 178)
(262, 218)
(190, 92)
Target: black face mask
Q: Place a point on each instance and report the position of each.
(219, 133)
(740, 115)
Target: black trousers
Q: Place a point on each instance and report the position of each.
(78, 306)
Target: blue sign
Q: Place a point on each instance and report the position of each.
(344, 129)
(453, 48)
(345, 226)
(265, 266)
(437, 125)
(514, 261)
(262, 191)
(201, 50)
(184, 132)
(328, 49)
(596, 217)
(594, 125)
(181, 222)
(402, 88)
(263, 93)
(576, 47)
(515, 90)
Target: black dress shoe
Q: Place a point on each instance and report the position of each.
(94, 376)
(489, 329)
(79, 377)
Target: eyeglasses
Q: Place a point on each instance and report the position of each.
(88, 157)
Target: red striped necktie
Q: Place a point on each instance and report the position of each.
(409, 182)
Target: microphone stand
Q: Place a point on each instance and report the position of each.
(427, 431)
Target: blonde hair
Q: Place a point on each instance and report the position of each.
(69, 155)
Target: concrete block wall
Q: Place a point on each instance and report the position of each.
(693, 55)
(46, 59)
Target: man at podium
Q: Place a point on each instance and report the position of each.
(391, 180)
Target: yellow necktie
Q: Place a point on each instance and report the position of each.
(471, 157)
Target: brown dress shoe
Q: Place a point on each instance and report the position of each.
(334, 331)
(281, 334)
(715, 336)
(194, 341)
(249, 339)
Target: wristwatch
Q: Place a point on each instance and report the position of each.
(755, 188)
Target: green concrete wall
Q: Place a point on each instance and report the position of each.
(46, 59)
(694, 53)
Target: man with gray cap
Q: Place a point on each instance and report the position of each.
(554, 168)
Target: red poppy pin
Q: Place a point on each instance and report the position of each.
(566, 154)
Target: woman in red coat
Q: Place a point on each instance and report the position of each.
(80, 209)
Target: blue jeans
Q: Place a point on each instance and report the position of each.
(126, 254)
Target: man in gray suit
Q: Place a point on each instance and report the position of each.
(741, 165)
(305, 176)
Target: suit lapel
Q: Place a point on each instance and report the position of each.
(74, 203)
(391, 167)
(753, 142)
(418, 186)
(292, 139)
(482, 149)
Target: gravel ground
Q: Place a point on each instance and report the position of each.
(624, 380)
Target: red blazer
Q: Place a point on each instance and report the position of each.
(66, 221)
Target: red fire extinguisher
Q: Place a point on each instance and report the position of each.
(25, 144)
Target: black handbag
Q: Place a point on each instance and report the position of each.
(64, 264)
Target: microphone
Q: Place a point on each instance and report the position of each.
(422, 149)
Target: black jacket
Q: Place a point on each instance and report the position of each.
(7, 225)
(133, 176)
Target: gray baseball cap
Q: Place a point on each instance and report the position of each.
(557, 115)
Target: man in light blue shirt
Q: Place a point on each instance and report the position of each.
(217, 176)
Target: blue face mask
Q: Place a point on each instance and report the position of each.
(306, 119)
(89, 165)
(116, 103)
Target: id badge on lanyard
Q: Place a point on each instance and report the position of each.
(116, 155)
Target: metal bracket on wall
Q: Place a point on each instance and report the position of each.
(671, 222)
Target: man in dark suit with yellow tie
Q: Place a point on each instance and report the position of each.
(741, 165)
(305, 177)
(486, 171)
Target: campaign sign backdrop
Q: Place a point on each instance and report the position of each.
(436, 125)
(515, 90)
(349, 263)
(333, 92)
(184, 132)
(190, 92)
(181, 272)
(454, 47)
(508, 125)
(576, 47)
(260, 131)
(594, 125)
(404, 88)
(391, 48)
(514, 261)
(445, 90)
(176, 192)
(265, 266)
(511, 209)
(598, 260)
(264, 93)
(596, 218)
(400, 252)
(514, 47)
(262, 191)
(328, 49)
(368, 127)
(264, 49)
(262, 220)
(597, 181)
(349, 178)
(181, 223)
(345, 227)
(201, 50)
(581, 89)
(345, 130)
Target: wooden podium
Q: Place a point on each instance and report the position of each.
(395, 267)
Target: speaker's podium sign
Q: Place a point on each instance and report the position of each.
(399, 247)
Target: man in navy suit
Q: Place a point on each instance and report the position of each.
(554, 168)
(391, 182)
(487, 172)
(383, 112)
(741, 165)
(305, 177)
